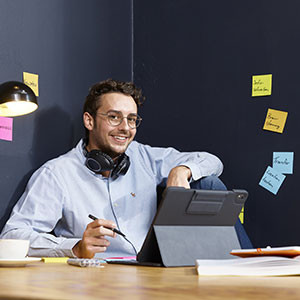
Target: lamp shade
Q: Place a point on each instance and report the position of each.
(16, 99)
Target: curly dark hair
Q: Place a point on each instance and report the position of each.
(93, 99)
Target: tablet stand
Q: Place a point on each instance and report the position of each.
(213, 237)
(175, 246)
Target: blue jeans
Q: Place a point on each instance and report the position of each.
(214, 183)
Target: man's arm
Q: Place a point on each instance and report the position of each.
(179, 176)
(37, 213)
(160, 162)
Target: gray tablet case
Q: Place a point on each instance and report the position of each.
(193, 224)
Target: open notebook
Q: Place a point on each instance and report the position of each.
(250, 266)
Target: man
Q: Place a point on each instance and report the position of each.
(107, 175)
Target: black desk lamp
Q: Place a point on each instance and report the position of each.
(16, 99)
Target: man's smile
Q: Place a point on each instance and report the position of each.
(120, 138)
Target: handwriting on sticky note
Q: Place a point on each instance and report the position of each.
(32, 80)
(272, 180)
(275, 120)
(261, 85)
(6, 128)
(283, 162)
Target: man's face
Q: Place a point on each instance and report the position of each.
(112, 140)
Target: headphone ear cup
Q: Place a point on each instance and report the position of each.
(98, 161)
(122, 166)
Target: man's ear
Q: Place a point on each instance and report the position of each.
(88, 121)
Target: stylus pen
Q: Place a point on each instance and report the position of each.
(113, 229)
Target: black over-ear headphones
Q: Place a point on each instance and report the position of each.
(98, 162)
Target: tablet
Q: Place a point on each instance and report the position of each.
(192, 224)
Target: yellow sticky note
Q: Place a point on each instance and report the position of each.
(261, 85)
(241, 216)
(32, 80)
(275, 120)
(55, 259)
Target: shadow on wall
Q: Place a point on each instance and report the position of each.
(53, 136)
(15, 196)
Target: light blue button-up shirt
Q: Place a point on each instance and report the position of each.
(63, 192)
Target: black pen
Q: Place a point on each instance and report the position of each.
(113, 229)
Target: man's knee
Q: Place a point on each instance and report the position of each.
(209, 183)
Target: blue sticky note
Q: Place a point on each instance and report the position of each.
(272, 180)
(283, 162)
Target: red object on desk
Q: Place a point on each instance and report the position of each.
(121, 257)
(275, 251)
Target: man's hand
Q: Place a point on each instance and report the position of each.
(179, 176)
(93, 239)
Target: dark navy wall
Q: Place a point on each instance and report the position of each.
(71, 44)
(195, 60)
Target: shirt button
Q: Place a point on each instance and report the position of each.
(115, 204)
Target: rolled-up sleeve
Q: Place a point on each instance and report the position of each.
(162, 160)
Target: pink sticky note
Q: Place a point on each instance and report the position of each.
(6, 128)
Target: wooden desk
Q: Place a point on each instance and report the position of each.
(61, 281)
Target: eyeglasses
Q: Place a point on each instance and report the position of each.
(115, 118)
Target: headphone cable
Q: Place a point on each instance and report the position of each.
(125, 238)
(113, 211)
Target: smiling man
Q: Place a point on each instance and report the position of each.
(107, 130)
(108, 175)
